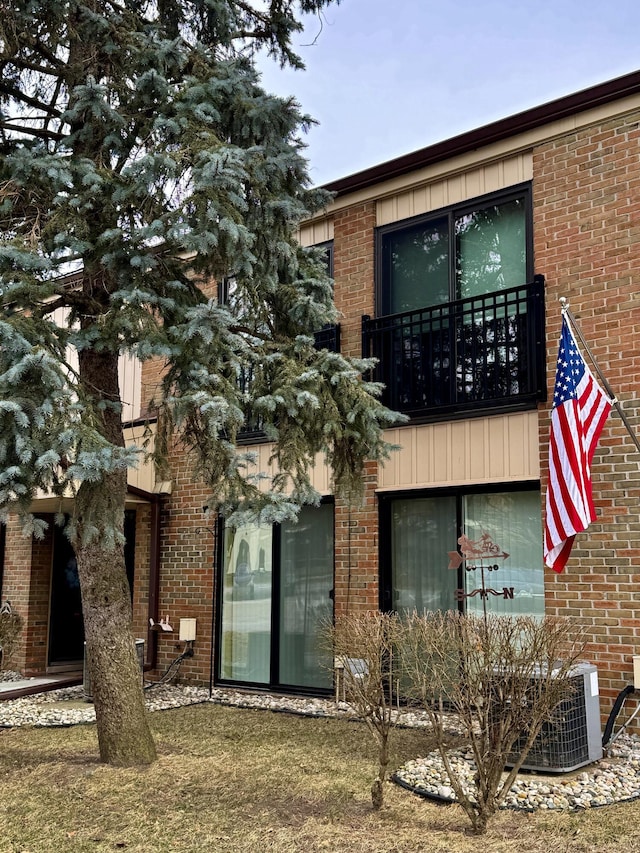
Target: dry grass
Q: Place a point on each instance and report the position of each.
(246, 781)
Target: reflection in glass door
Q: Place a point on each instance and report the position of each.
(246, 604)
(276, 589)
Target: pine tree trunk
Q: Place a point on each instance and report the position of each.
(124, 735)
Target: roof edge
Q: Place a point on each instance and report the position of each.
(594, 96)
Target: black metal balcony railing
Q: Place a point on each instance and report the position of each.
(486, 352)
(327, 338)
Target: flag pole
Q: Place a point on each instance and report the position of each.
(614, 400)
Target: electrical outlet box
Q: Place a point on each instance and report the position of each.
(636, 672)
(187, 630)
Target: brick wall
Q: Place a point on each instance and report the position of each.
(17, 581)
(186, 569)
(152, 372)
(26, 584)
(356, 550)
(353, 270)
(140, 601)
(356, 527)
(586, 230)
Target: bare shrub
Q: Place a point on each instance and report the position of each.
(10, 629)
(503, 677)
(363, 646)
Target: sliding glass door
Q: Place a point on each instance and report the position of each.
(306, 582)
(275, 596)
(246, 604)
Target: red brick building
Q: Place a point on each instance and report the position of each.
(449, 264)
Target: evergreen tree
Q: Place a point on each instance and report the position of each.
(141, 161)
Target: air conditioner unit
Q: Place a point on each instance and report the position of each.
(86, 676)
(574, 737)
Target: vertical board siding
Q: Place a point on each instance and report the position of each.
(319, 474)
(129, 373)
(313, 233)
(144, 476)
(502, 448)
(455, 189)
(130, 380)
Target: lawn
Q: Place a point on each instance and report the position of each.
(247, 781)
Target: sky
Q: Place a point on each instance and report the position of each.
(386, 77)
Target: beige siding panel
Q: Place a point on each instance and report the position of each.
(144, 476)
(129, 373)
(422, 198)
(130, 381)
(455, 189)
(436, 196)
(502, 448)
(313, 233)
(497, 177)
(319, 474)
(405, 205)
(497, 447)
(517, 169)
(474, 184)
(387, 210)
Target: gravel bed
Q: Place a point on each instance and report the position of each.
(68, 706)
(613, 779)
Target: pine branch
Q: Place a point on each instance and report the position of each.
(22, 97)
(22, 64)
(51, 135)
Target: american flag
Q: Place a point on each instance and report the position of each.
(580, 409)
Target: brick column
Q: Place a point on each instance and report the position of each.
(586, 215)
(26, 584)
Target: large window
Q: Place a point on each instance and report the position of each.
(419, 534)
(275, 600)
(460, 320)
(466, 251)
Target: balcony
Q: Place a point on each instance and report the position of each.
(327, 338)
(471, 356)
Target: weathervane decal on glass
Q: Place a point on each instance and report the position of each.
(483, 554)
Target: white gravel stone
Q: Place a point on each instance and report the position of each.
(612, 780)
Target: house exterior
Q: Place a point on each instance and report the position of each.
(449, 264)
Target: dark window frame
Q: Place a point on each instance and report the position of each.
(276, 554)
(327, 247)
(453, 212)
(385, 502)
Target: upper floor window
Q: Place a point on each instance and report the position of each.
(466, 251)
(328, 254)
